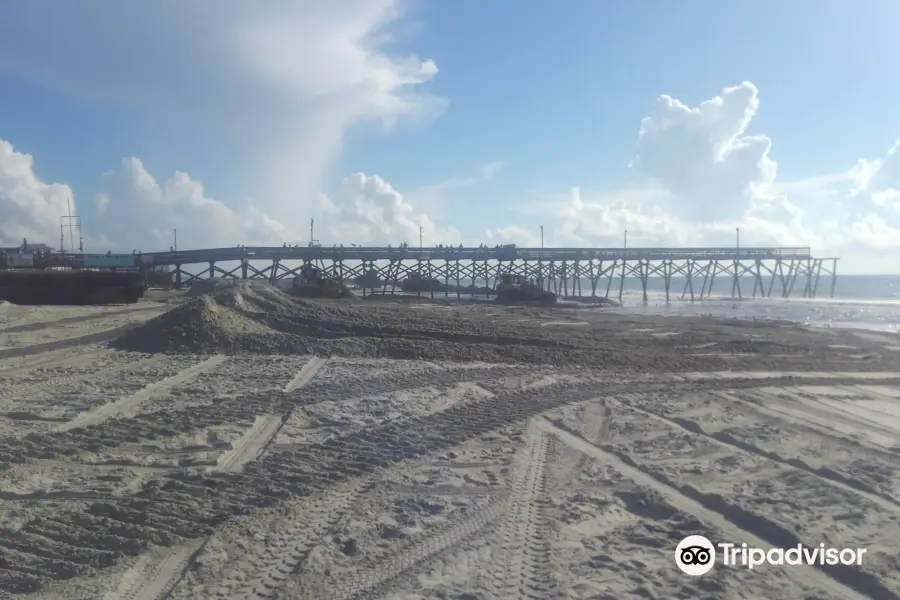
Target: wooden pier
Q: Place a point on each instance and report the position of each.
(688, 273)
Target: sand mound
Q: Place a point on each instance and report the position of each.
(202, 325)
(10, 312)
(254, 317)
(251, 317)
(408, 299)
(203, 287)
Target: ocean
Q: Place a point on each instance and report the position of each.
(860, 301)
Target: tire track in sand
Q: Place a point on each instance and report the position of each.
(828, 476)
(27, 327)
(410, 557)
(295, 534)
(296, 527)
(107, 335)
(153, 575)
(62, 359)
(128, 403)
(305, 374)
(256, 440)
(595, 423)
(523, 567)
(524, 552)
(518, 532)
(844, 581)
(54, 382)
(165, 510)
(758, 405)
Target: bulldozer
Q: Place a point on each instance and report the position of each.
(515, 289)
(312, 283)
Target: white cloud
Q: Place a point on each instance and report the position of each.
(601, 220)
(524, 238)
(707, 177)
(703, 154)
(279, 81)
(368, 210)
(879, 181)
(431, 198)
(873, 232)
(134, 210)
(29, 208)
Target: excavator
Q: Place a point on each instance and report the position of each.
(515, 289)
(312, 283)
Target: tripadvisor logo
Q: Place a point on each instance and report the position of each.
(695, 555)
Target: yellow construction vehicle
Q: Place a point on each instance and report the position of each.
(312, 283)
(515, 289)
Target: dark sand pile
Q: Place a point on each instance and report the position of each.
(203, 287)
(201, 325)
(259, 318)
(412, 299)
(252, 317)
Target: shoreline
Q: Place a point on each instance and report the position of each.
(162, 298)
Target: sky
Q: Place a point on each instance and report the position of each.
(473, 122)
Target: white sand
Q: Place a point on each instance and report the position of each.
(570, 485)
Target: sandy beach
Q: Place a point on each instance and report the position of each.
(242, 444)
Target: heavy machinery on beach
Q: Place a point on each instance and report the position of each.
(515, 289)
(312, 283)
(416, 282)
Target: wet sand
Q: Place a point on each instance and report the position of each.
(261, 448)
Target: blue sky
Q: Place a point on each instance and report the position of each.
(531, 118)
(527, 79)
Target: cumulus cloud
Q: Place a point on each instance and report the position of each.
(860, 208)
(131, 210)
(874, 232)
(279, 81)
(602, 220)
(879, 181)
(707, 177)
(703, 155)
(520, 236)
(29, 207)
(368, 210)
(134, 210)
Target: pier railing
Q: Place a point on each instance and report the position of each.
(455, 253)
